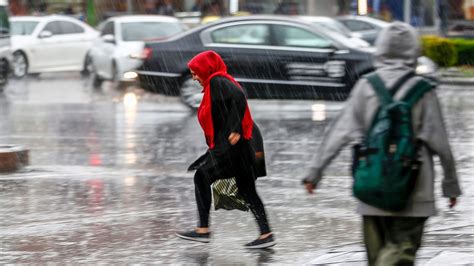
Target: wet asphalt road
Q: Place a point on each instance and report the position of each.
(108, 181)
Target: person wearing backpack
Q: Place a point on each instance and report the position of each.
(395, 118)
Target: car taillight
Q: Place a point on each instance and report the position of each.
(146, 53)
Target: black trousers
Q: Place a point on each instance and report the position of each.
(236, 166)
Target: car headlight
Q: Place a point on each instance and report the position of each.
(130, 75)
(425, 66)
(423, 69)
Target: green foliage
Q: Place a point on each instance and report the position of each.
(465, 50)
(441, 50)
(448, 52)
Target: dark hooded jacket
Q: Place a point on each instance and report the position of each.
(227, 112)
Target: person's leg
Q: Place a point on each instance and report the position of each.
(374, 238)
(202, 192)
(246, 187)
(403, 237)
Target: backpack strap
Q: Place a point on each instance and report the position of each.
(385, 95)
(401, 81)
(417, 91)
(379, 87)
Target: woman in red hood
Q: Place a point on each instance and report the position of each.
(228, 128)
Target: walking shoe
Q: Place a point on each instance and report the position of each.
(194, 236)
(261, 243)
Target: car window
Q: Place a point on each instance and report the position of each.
(354, 25)
(298, 37)
(258, 34)
(71, 28)
(23, 27)
(54, 27)
(139, 31)
(108, 29)
(4, 23)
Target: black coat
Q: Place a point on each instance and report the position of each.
(228, 109)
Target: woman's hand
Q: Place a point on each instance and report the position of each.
(310, 187)
(234, 137)
(452, 202)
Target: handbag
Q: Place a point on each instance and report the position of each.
(226, 196)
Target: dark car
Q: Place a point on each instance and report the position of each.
(272, 57)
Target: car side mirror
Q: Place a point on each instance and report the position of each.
(45, 34)
(109, 38)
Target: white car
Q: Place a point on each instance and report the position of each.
(5, 51)
(333, 25)
(120, 48)
(49, 44)
(365, 27)
(425, 65)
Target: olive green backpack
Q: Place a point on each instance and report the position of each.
(386, 163)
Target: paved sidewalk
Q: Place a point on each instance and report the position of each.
(427, 256)
(453, 76)
(108, 185)
(354, 255)
(310, 231)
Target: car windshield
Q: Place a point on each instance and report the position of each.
(141, 31)
(334, 26)
(23, 27)
(376, 22)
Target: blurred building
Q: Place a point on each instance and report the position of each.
(421, 13)
(468, 9)
(428, 14)
(43, 7)
(416, 12)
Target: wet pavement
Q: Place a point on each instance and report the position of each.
(108, 183)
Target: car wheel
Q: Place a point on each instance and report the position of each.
(96, 81)
(20, 65)
(191, 93)
(114, 72)
(88, 67)
(3, 74)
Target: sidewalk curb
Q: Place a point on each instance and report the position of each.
(12, 158)
(457, 81)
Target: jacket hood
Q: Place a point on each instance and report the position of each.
(397, 45)
(206, 64)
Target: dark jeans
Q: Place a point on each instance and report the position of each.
(246, 187)
(392, 240)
